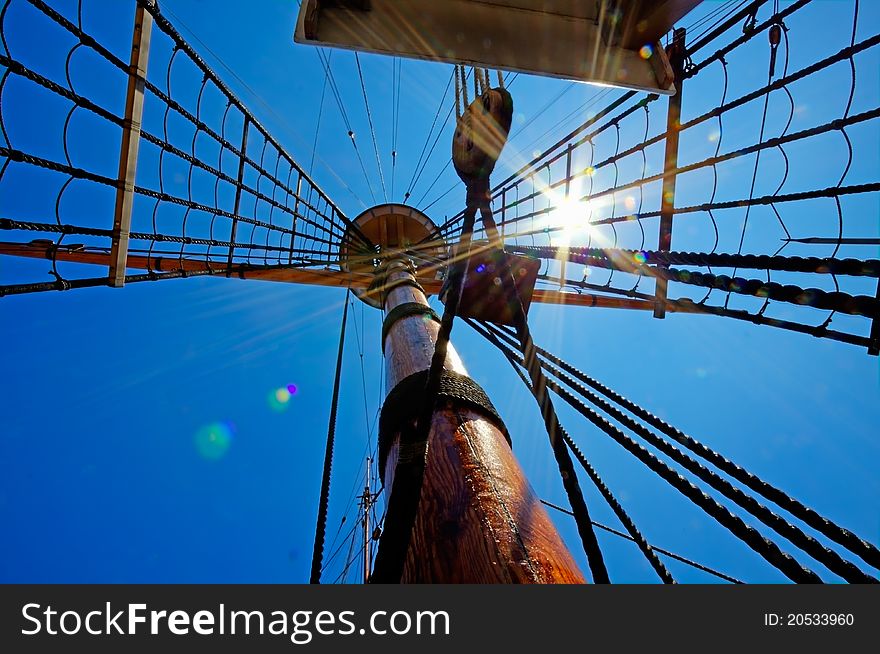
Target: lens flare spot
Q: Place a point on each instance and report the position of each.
(639, 257)
(646, 51)
(630, 202)
(291, 388)
(213, 441)
(279, 398)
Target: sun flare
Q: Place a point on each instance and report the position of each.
(569, 221)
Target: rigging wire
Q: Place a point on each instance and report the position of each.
(328, 72)
(665, 552)
(357, 60)
(757, 158)
(607, 495)
(282, 120)
(806, 543)
(318, 122)
(419, 166)
(540, 112)
(342, 543)
(715, 19)
(396, 66)
(350, 558)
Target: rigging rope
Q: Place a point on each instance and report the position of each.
(318, 122)
(539, 382)
(328, 72)
(396, 67)
(783, 561)
(660, 550)
(868, 552)
(634, 534)
(324, 500)
(412, 182)
(808, 544)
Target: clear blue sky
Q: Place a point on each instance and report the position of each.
(104, 476)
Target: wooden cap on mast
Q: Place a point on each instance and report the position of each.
(395, 230)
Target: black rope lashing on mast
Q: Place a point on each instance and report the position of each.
(402, 405)
(404, 311)
(381, 289)
(324, 499)
(634, 534)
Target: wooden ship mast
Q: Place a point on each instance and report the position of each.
(459, 506)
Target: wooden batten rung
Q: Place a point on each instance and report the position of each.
(128, 155)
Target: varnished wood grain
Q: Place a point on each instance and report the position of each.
(479, 521)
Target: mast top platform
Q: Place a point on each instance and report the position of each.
(396, 231)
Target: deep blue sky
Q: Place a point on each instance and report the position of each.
(107, 393)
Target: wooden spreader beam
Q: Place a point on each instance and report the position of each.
(311, 276)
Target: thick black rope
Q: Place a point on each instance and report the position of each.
(868, 552)
(633, 259)
(401, 406)
(634, 534)
(751, 536)
(595, 559)
(324, 499)
(826, 556)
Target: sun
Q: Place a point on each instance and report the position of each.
(570, 220)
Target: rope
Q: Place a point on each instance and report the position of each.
(538, 381)
(396, 66)
(324, 499)
(632, 259)
(868, 552)
(826, 556)
(412, 182)
(320, 216)
(831, 126)
(660, 550)
(410, 470)
(357, 60)
(634, 534)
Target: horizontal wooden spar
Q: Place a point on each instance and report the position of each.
(312, 276)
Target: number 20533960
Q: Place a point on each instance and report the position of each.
(809, 619)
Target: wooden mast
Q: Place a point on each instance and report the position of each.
(478, 521)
